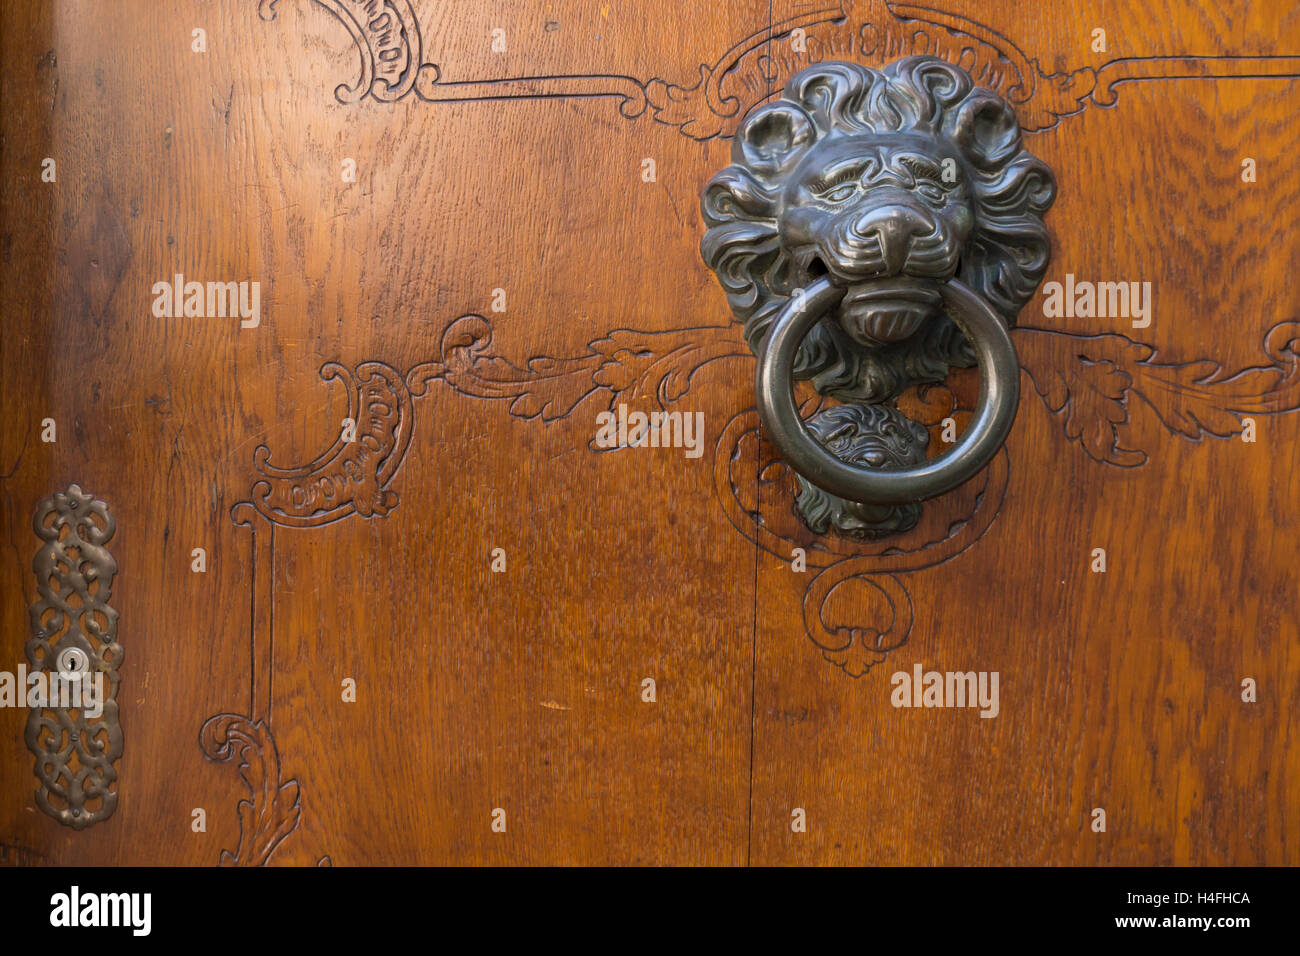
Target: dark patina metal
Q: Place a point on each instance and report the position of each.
(74, 638)
(875, 229)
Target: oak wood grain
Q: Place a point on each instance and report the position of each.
(522, 690)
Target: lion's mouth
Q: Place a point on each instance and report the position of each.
(888, 310)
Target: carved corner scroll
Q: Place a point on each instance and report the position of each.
(387, 37)
(273, 810)
(352, 476)
(75, 735)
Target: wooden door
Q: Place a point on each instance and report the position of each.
(326, 308)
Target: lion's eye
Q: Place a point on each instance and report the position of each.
(930, 191)
(840, 193)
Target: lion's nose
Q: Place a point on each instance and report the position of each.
(894, 226)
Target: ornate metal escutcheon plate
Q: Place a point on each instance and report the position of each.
(76, 738)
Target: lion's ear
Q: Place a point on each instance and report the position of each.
(734, 195)
(772, 138)
(985, 128)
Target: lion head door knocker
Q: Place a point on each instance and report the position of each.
(875, 229)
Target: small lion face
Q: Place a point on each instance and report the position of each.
(877, 437)
(877, 215)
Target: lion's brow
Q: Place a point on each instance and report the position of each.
(839, 172)
(922, 167)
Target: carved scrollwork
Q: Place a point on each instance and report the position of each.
(74, 635)
(1085, 380)
(872, 32)
(273, 810)
(885, 626)
(642, 369)
(352, 476)
(766, 514)
(1088, 380)
(386, 35)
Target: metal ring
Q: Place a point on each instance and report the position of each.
(998, 401)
